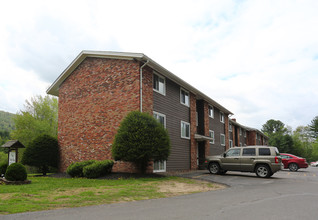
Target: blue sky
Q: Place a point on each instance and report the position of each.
(256, 58)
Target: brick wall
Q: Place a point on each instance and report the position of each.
(193, 131)
(93, 100)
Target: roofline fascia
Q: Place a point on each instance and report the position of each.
(53, 89)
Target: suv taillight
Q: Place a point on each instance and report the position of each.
(276, 160)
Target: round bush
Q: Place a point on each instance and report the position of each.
(3, 167)
(16, 172)
(98, 169)
(76, 168)
(140, 139)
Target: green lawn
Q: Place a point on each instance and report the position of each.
(51, 193)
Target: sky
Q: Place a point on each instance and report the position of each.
(258, 59)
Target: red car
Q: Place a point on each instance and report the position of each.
(292, 162)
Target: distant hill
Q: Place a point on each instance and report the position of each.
(6, 122)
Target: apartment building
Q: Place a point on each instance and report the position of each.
(98, 89)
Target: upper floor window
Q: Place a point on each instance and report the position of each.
(222, 117)
(230, 127)
(231, 143)
(240, 131)
(159, 84)
(184, 97)
(211, 112)
(160, 117)
(244, 133)
(185, 130)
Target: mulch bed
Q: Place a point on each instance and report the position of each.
(113, 176)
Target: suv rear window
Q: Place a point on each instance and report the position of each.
(248, 151)
(264, 152)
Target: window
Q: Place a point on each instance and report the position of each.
(222, 139)
(230, 127)
(184, 97)
(234, 152)
(159, 84)
(222, 117)
(244, 133)
(211, 134)
(185, 130)
(240, 131)
(159, 166)
(161, 118)
(249, 152)
(264, 152)
(211, 112)
(231, 143)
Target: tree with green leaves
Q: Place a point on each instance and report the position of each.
(43, 152)
(274, 126)
(39, 117)
(313, 126)
(278, 135)
(140, 139)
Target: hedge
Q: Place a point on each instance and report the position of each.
(16, 172)
(76, 168)
(98, 169)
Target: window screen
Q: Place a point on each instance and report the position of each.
(264, 152)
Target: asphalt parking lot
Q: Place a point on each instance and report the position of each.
(286, 195)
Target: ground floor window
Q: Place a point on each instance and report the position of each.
(159, 166)
(222, 139)
(185, 130)
(231, 143)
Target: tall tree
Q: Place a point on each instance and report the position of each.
(313, 126)
(274, 126)
(39, 117)
(279, 135)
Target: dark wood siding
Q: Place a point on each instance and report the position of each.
(218, 127)
(175, 112)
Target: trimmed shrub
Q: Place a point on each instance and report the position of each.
(76, 168)
(16, 172)
(98, 169)
(43, 152)
(3, 167)
(140, 139)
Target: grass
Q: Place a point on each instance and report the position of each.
(46, 193)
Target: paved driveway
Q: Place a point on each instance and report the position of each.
(284, 196)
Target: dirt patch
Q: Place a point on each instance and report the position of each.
(174, 188)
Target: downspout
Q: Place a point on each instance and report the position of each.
(141, 83)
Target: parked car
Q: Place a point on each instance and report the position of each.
(314, 164)
(262, 160)
(292, 162)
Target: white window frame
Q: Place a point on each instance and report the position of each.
(187, 124)
(230, 126)
(231, 143)
(244, 133)
(164, 84)
(211, 113)
(240, 131)
(185, 103)
(222, 137)
(222, 117)
(160, 170)
(211, 136)
(161, 115)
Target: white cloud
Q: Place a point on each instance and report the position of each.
(257, 58)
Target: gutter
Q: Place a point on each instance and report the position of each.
(141, 83)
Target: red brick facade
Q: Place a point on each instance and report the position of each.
(193, 131)
(93, 100)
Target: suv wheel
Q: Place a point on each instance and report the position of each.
(293, 167)
(263, 171)
(214, 168)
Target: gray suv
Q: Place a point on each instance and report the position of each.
(262, 160)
